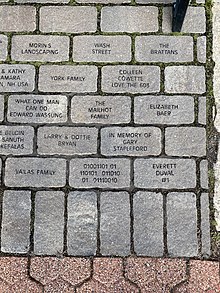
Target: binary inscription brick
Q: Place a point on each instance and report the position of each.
(185, 141)
(49, 222)
(3, 47)
(67, 140)
(101, 173)
(148, 223)
(101, 109)
(102, 49)
(130, 141)
(17, 18)
(182, 224)
(202, 110)
(1, 108)
(164, 49)
(35, 172)
(115, 223)
(130, 78)
(82, 223)
(165, 173)
(68, 19)
(40, 48)
(129, 19)
(201, 49)
(164, 110)
(17, 78)
(68, 78)
(204, 174)
(195, 20)
(16, 140)
(205, 225)
(37, 109)
(174, 84)
(15, 232)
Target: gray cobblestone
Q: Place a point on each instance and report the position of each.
(40, 48)
(115, 223)
(195, 20)
(35, 172)
(164, 110)
(164, 49)
(102, 48)
(0, 170)
(68, 19)
(67, 140)
(129, 19)
(17, 78)
(130, 78)
(131, 141)
(104, 1)
(15, 232)
(3, 47)
(201, 49)
(205, 225)
(174, 84)
(101, 109)
(185, 141)
(153, 1)
(82, 223)
(1, 108)
(182, 224)
(68, 78)
(49, 222)
(42, 1)
(148, 223)
(202, 110)
(101, 173)
(37, 109)
(204, 174)
(17, 18)
(16, 140)
(165, 173)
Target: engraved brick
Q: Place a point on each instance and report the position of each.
(201, 49)
(195, 20)
(16, 140)
(102, 48)
(35, 172)
(182, 224)
(202, 110)
(17, 78)
(40, 48)
(129, 19)
(1, 108)
(185, 79)
(68, 78)
(164, 110)
(204, 174)
(164, 49)
(3, 47)
(67, 140)
(49, 222)
(82, 223)
(205, 225)
(104, 1)
(98, 172)
(115, 223)
(101, 109)
(185, 141)
(130, 78)
(68, 19)
(15, 231)
(165, 173)
(148, 223)
(131, 141)
(17, 18)
(37, 109)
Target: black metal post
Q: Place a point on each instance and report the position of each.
(179, 12)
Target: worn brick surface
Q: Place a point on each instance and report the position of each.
(3, 47)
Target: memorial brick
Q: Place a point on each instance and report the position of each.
(67, 140)
(130, 141)
(40, 48)
(35, 172)
(68, 78)
(100, 173)
(101, 109)
(3, 47)
(165, 173)
(131, 79)
(37, 109)
(1, 108)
